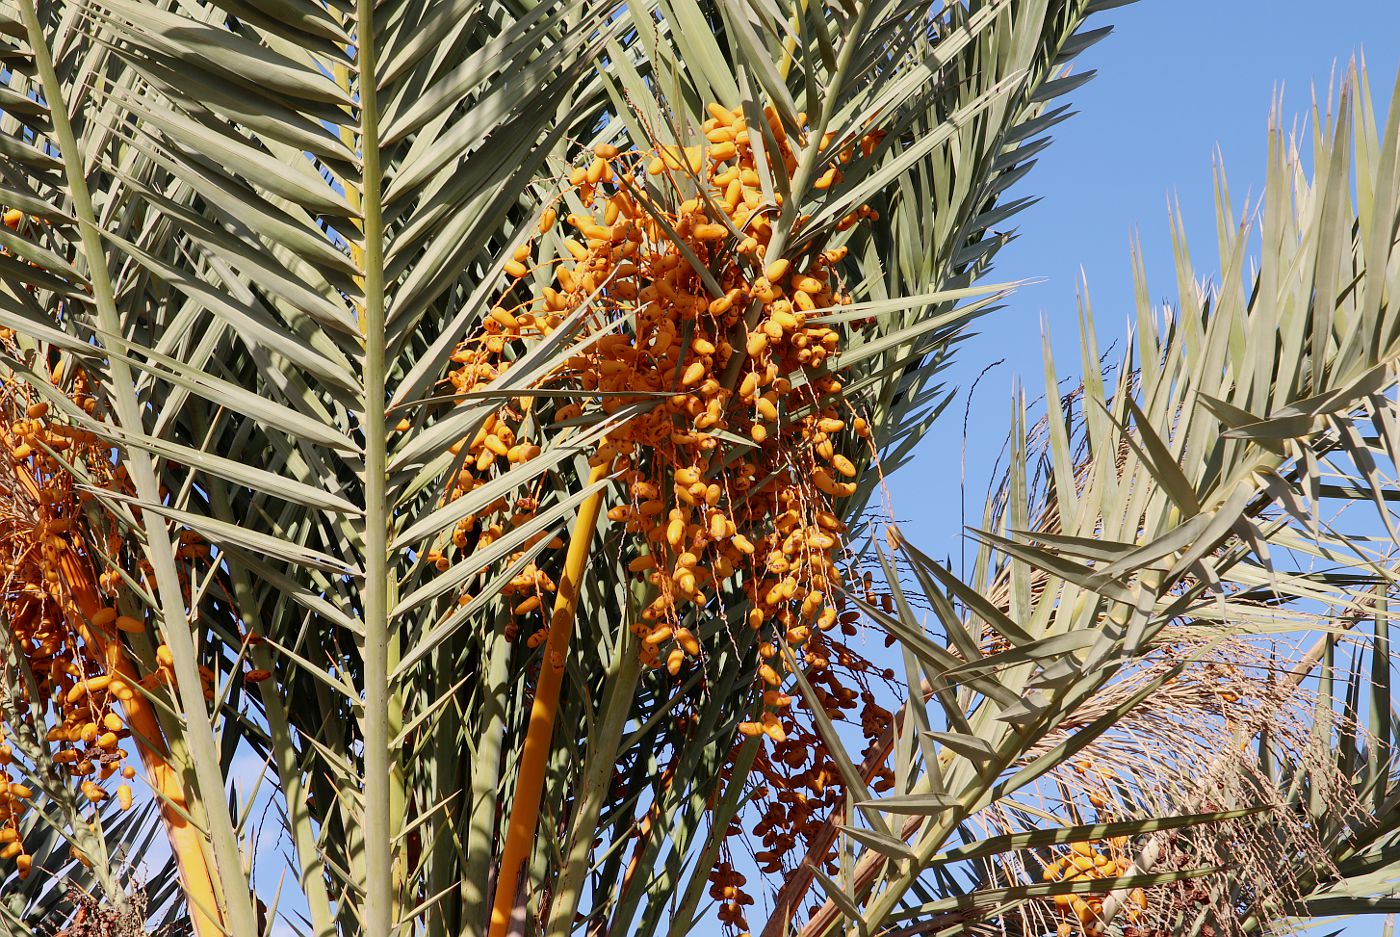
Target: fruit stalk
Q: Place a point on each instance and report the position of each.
(529, 786)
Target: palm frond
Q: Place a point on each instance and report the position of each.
(1195, 514)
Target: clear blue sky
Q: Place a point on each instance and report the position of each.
(1177, 81)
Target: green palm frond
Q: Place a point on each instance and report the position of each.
(263, 228)
(1192, 504)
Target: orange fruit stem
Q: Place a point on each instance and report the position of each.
(529, 786)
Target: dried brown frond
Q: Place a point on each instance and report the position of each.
(1190, 747)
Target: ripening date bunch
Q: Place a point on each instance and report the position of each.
(739, 446)
(713, 350)
(64, 570)
(1087, 861)
(49, 589)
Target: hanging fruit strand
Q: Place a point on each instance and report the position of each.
(68, 635)
(186, 842)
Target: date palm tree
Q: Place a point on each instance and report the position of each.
(468, 414)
